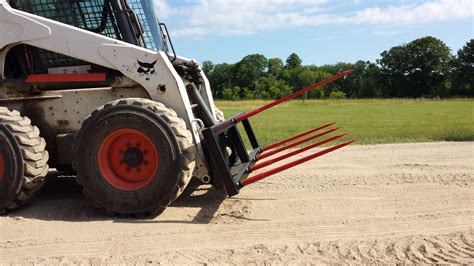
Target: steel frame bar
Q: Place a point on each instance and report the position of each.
(291, 96)
(294, 144)
(279, 143)
(293, 153)
(284, 167)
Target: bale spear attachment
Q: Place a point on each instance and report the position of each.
(234, 171)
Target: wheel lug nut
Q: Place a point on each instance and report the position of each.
(145, 162)
(128, 144)
(121, 151)
(129, 169)
(121, 162)
(145, 152)
(138, 145)
(139, 170)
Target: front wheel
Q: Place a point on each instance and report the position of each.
(134, 157)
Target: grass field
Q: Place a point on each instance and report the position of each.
(367, 121)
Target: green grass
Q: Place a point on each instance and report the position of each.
(367, 121)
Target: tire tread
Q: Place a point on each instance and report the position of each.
(183, 137)
(35, 157)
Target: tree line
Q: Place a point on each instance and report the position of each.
(422, 68)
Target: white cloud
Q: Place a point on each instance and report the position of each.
(409, 14)
(219, 17)
(384, 33)
(163, 8)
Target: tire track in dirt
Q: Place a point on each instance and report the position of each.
(412, 249)
(378, 204)
(286, 233)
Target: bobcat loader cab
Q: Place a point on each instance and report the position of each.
(95, 88)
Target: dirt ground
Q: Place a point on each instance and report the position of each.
(403, 203)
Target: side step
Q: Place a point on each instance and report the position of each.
(233, 172)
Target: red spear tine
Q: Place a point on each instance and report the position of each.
(293, 153)
(284, 148)
(247, 115)
(276, 144)
(284, 167)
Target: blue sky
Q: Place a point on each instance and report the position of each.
(320, 31)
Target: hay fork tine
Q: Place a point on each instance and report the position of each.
(293, 153)
(260, 176)
(279, 143)
(294, 144)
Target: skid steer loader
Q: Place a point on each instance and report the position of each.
(95, 88)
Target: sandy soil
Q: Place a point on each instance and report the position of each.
(405, 203)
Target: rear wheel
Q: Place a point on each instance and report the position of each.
(23, 160)
(134, 157)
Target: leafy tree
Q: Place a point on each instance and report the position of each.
(335, 69)
(220, 78)
(393, 68)
(309, 77)
(208, 67)
(246, 72)
(463, 71)
(340, 84)
(364, 81)
(337, 94)
(272, 88)
(423, 67)
(232, 94)
(306, 78)
(290, 77)
(275, 66)
(293, 61)
(416, 69)
(248, 94)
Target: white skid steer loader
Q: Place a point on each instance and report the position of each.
(94, 88)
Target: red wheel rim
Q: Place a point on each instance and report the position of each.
(128, 159)
(2, 166)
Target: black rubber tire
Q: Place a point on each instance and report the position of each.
(25, 160)
(169, 135)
